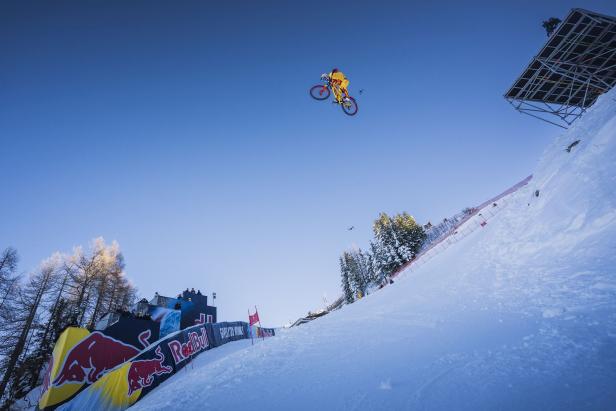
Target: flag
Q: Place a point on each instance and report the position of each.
(253, 318)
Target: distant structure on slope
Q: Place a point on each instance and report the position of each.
(574, 67)
(320, 313)
(190, 303)
(436, 232)
(162, 315)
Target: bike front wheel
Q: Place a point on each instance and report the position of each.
(350, 107)
(320, 92)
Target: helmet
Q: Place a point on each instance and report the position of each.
(335, 70)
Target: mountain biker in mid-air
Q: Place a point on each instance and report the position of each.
(340, 85)
(336, 83)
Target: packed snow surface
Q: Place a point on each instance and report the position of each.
(521, 314)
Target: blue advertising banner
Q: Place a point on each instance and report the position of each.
(129, 382)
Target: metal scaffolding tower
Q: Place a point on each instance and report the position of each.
(574, 67)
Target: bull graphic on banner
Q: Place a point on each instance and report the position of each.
(118, 385)
(92, 357)
(79, 359)
(141, 372)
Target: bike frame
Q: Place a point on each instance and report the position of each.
(334, 88)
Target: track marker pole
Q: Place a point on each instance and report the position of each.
(260, 325)
(252, 339)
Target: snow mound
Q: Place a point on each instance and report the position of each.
(519, 315)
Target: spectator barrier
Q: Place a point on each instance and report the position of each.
(97, 372)
(484, 212)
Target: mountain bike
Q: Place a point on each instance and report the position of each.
(323, 91)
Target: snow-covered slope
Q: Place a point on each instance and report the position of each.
(518, 315)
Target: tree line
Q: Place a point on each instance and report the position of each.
(397, 240)
(74, 289)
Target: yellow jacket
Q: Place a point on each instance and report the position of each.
(337, 76)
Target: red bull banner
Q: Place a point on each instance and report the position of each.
(261, 332)
(137, 332)
(79, 359)
(120, 386)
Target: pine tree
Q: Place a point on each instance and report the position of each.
(377, 263)
(346, 285)
(354, 281)
(359, 272)
(397, 241)
(385, 237)
(410, 236)
(364, 266)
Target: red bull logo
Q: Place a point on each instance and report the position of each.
(141, 373)
(144, 338)
(90, 358)
(196, 343)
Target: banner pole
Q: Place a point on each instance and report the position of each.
(252, 340)
(260, 325)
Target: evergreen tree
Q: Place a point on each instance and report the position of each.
(359, 272)
(364, 266)
(397, 241)
(387, 256)
(346, 285)
(377, 262)
(410, 236)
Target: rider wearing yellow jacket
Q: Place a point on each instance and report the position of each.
(340, 84)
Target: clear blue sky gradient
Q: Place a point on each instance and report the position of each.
(184, 131)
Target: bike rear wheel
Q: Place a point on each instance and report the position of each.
(350, 107)
(320, 92)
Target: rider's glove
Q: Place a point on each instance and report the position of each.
(324, 76)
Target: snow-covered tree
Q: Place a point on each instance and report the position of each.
(378, 262)
(409, 234)
(346, 285)
(359, 272)
(445, 227)
(397, 240)
(364, 266)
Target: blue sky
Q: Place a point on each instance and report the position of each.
(185, 132)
